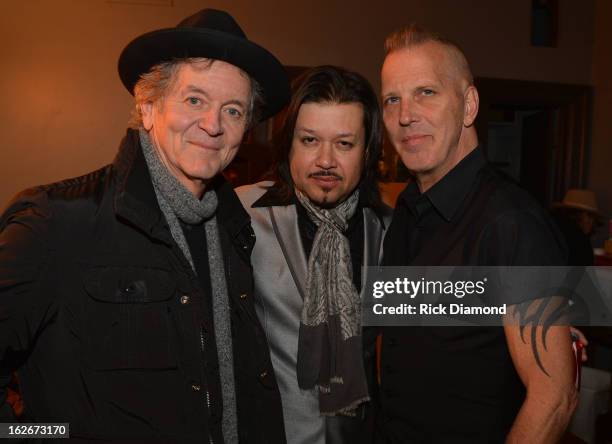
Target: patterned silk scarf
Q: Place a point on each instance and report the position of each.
(330, 356)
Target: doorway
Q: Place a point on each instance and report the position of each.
(537, 133)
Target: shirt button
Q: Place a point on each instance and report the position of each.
(195, 387)
(184, 299)
(243, 296)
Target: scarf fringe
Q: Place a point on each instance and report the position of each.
(349, 410)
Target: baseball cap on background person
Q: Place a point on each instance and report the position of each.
(213, 34)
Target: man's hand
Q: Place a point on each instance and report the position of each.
(578, 335)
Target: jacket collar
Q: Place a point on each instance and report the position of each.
(284, 219)
(135, 198)
(271, 198)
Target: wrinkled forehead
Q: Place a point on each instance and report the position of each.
(196, 70)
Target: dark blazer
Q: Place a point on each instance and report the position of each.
(102, 315)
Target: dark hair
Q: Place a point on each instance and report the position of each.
(331, 84)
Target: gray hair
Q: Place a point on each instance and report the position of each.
(154, 84)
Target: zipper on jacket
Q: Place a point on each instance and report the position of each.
(206, 392)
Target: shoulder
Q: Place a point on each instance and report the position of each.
(249, 194)
(510, 204)
(64, 190)
(36, 207)
(518, 225)
(507, 192)
(29, 210)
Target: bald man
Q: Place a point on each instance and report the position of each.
(462, 384)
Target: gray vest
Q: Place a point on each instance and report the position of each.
(279, 304)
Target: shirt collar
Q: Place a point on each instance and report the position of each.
(450, 191)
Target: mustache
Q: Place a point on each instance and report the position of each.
(324, 173)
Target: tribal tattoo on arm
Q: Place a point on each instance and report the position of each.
(542, 312)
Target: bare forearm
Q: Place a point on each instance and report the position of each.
(543, 419)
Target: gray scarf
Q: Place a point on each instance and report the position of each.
(176, 202)
(330, 354)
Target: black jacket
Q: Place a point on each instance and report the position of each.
(104, 320)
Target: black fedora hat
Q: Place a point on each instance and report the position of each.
(213, 34)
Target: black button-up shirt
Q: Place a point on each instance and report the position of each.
(504, 225)
(458, 384)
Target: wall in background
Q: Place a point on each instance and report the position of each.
(601, 154)
(63, 109)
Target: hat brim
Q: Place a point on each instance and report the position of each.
(146, 51)
(576, 206)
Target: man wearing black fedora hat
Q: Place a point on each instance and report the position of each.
(126, 294)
